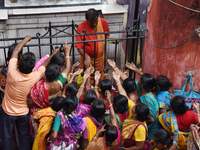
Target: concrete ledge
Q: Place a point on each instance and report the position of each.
(3, 14)
(105, 8)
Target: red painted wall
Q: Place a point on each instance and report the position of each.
(169, 25)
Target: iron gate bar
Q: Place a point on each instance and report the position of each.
(134, 47)
(32, 45)
(73, 58)
(126, 44)
(61, 31)
(111, 32)
(105, 51)
(39, 47)
(94, 59)
(84, 31)
(51, 47)
(116, 50)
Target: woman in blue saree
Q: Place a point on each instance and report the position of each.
(163, 93)
(144, 88)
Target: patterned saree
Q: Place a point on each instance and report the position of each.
(169, 123)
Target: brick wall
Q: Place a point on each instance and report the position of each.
(21, 25)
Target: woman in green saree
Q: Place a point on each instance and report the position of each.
(145, 87)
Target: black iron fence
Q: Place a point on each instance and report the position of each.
(72, 27)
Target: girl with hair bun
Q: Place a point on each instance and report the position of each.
(163, 93)
(112, 137)
(179, 119)
(162, 140)
(92, 122)
(134, 130)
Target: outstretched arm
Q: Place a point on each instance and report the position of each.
(19, 46)
(97, 77)
(67, 59)
(123, 76)
(87, 73)
(112, 112)
(134, 68)
(121, 90)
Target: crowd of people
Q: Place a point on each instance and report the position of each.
(48, 108)
(45, 107)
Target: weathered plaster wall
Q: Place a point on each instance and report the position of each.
(169, 25)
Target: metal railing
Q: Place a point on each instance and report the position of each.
(74, 33)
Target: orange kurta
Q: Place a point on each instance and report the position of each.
(102, 26)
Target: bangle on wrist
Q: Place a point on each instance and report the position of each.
(110, 105)
(82, 86)
(71, 74)
(67, 56)
(106, 74)
(48, 139)
(94, 138)
(35, 124)
(115, 68)
(96, 87)
(117, 91)
(118, 82)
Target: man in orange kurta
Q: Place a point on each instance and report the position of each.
(92, 24)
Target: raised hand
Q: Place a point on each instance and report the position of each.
(76, 65)
(105, 69)
(97, 75)
(116, 76)
(67, 49)
(196, 107)
(79, 71)
(108, 95)
(87, 60)
(111, 63)
(88, 72)
(102, 129)
(56, 51)
(131, 66)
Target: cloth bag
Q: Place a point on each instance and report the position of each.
(191, 96)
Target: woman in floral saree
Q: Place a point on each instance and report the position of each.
(67, 127)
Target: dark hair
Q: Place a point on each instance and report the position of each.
(97, 110)
(163, 137)
(89, 97)
(129, 85)
(178, 105)
(27, 63)
(58, 59)
(105, 85)
(52, 72)
(57, 103)
(121, 103)
(10, 51)
(91, 14)
(69, 103)
(72, 88)
(162, 83)
(142, 112)
(148, 82)
(111, 134)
